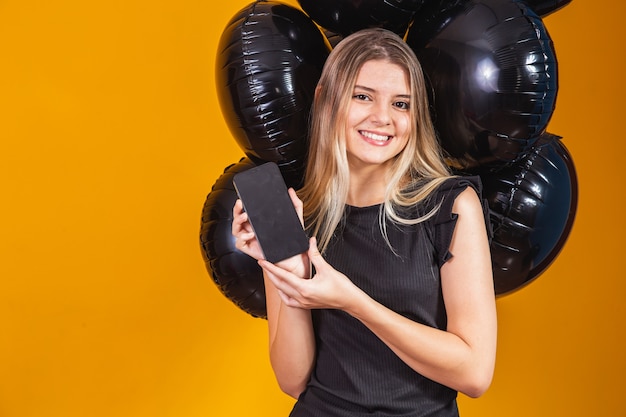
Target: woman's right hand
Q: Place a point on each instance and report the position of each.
(329, 288)
(246, 241)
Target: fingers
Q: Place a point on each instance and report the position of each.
(315, 256)
(238, 210)
(297, 203)
(242, 242)
(285, 282)
(275, 271)
(240, 220)
(285, 298)
(240, 227)
(238, 207)
(239, 216)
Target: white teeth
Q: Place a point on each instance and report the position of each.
(374, 136)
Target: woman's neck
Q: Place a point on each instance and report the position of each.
(367, 188)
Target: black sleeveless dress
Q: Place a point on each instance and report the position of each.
(355, 373)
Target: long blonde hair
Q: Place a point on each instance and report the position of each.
(416, 171)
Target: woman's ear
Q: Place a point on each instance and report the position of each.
(317, 91)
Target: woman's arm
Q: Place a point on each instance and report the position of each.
(291, 339)
(291, 342)
(461, 357)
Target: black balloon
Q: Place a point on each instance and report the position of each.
(270, 58)
(348, 16)
(493, 73)
(532, 205)
(545, 7)
(237, 275)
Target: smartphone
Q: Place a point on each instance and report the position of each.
(271, 213)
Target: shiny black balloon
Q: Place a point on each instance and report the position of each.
(237, 275)
(532, 204)
(493, 73)
(270, 57)
(545, 7)
(348, 16)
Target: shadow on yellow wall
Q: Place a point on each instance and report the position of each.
(110, 138)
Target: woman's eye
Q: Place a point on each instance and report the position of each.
(403, 105)
(361, 97)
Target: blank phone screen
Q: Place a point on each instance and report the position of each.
(271, 212)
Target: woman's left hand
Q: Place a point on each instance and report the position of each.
(328, 288)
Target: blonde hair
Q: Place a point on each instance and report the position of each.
(416, 172)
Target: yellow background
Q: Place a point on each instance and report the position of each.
(110, 139)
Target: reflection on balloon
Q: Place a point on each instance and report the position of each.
(493, 74)
(532, 206)
(269, 60)
(348, 16)
(237, 275)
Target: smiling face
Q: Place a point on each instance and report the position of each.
(378, 118)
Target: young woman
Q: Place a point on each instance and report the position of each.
(399, 312)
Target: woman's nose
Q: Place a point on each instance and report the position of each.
(381, 114)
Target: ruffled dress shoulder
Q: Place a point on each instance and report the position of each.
(444, 221)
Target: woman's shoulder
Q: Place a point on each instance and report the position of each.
(457, 195)
(454, 194)
(454, 185)
(444, 193)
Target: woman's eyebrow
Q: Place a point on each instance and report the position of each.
(362, 87)
(373, 90)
